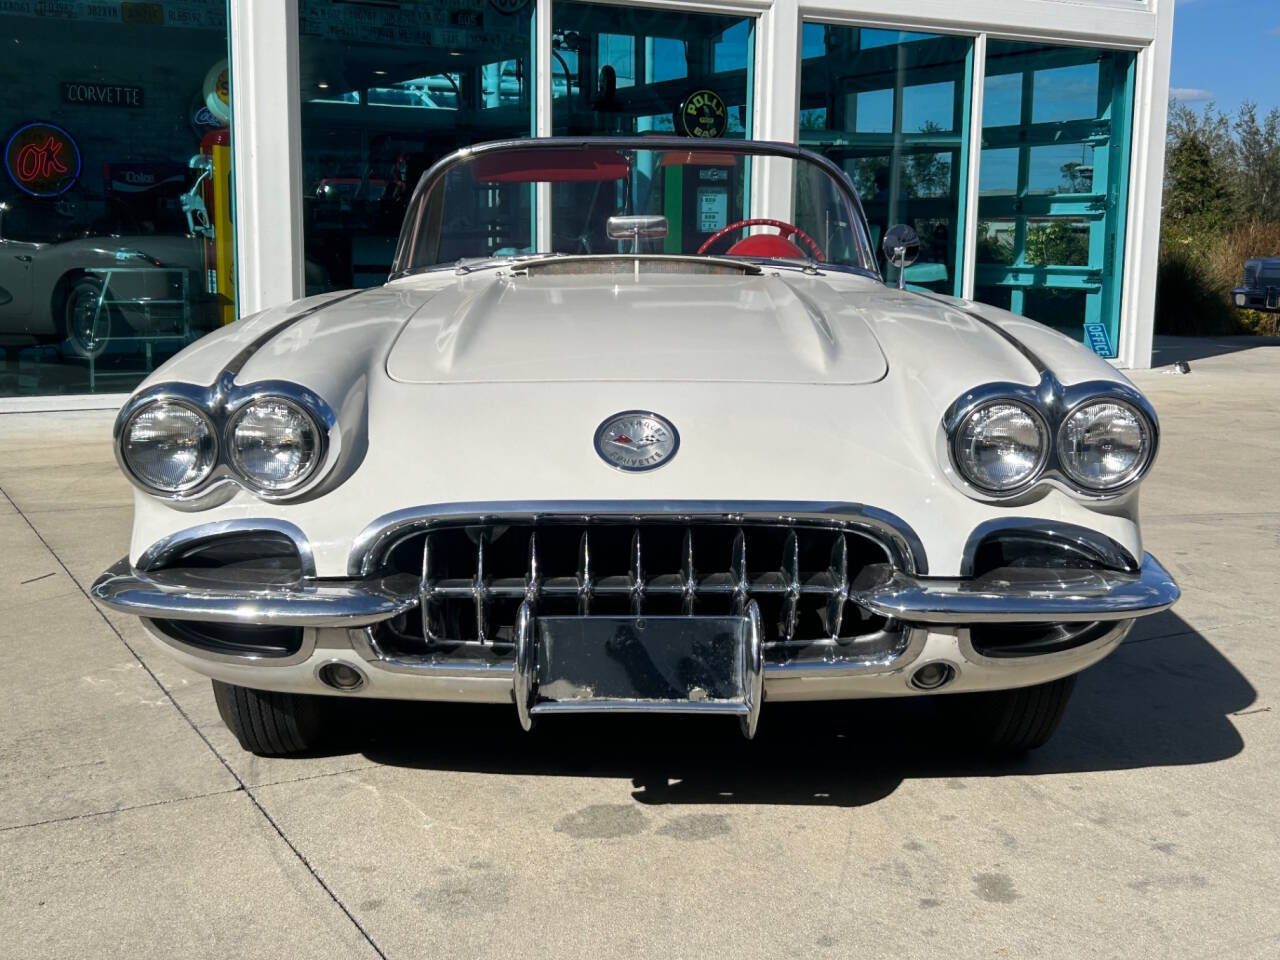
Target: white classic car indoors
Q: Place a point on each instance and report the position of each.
(636, 425)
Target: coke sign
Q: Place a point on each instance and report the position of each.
(42, 159)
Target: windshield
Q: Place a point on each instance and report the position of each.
(618, 197)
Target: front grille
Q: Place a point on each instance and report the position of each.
(475, 576)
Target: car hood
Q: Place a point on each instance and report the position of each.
(614, 326)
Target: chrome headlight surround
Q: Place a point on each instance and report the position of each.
(130, 467)
(1146, 426)
(220, 404)
(236, 461)
(958, 460)
(1055, 404)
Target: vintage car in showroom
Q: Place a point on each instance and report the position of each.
(635, 425)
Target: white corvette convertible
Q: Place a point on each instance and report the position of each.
(635, 425)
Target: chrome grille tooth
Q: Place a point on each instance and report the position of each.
(533, 577)
(584, 573)
(637, 575)
(791, 576)
(426, 589)
(687, 574)
(478, 588)
(738, 573)
(839, 571)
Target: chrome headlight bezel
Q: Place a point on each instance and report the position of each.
(1145, 423)
(234, 419)
(122, 438)
(1055, 404)
(220, 404)
(1042, 457)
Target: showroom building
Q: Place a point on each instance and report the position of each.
(170, 165)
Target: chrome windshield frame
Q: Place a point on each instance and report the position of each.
(400, 266)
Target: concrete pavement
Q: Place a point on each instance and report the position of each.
(131, 824)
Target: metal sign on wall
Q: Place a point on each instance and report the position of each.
(197, 14)
(101, 94)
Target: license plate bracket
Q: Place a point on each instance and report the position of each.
(618, 664)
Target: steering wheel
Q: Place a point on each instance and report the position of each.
(785, 230)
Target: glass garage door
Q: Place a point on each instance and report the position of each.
(1053, 184)
(892, 108)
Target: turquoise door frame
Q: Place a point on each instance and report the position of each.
(1098, 211)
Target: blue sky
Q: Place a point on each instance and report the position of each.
(1226, 51)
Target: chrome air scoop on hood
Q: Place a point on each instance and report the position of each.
(612, 325)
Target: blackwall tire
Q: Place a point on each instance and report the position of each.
(1008, 722)
(274, 724)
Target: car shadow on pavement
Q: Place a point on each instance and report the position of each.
(1165, 698)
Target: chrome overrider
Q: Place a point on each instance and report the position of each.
(934, 614)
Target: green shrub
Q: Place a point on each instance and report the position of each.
(1197, 272)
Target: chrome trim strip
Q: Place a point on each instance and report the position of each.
(314, 603)
(1052, 596)
(376, 540)
(524, 667)
(364, 643)
(752, 670)
(713, 707)
(1109, 551)
(159, 552)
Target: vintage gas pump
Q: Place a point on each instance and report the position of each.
(208, 206)
(702, 190)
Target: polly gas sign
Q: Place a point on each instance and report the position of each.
(42, 159)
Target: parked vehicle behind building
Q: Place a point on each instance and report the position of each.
(1261, 287)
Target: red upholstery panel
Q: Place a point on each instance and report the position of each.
(766, 245)
(550, 166)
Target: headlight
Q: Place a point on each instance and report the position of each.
(1000, 446)
(1104, 444)
(274, 444)
(169, 446)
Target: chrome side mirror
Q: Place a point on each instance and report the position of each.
(901, 246)
(636, 228)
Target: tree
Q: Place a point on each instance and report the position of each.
(1061, 243)
(1200, 164)
(1257, 184)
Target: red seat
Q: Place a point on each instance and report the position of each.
(766, 245)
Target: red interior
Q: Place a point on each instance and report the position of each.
(698, 158)
(765, 245)
(550, 166)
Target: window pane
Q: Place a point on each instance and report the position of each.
(117, 247)
(1053, 190)
(386, 91)
(677, 57)
(884, 105)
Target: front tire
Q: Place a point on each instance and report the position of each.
(273, 724)
(1008, 722)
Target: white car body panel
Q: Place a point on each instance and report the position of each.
(509, 413)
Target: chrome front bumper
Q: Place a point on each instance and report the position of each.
(934, 615)
(1013, 595)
